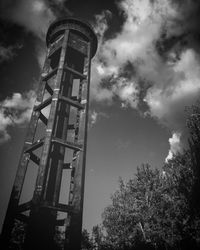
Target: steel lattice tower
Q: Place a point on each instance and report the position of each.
(64, 91)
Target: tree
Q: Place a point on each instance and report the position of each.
(193, 123)
(159, 209)
(126, 220)
(152, 210)
(86, 241)
(100, 241)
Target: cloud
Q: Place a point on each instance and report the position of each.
(40, 50)
(167, 99)
(7, 53)
(101, 23)
(34, 15)
(135, 42)
(93, 117)
(175, 146)
(159, 40)
(127, 91)
(15, 111)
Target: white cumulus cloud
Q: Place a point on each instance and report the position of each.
(15, 111)
(150, 41)
(175, 145)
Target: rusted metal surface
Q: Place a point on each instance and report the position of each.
(71, 45)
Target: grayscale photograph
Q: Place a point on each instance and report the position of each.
(100, 124)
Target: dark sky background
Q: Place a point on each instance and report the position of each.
(146, 70)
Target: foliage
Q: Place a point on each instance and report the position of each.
(153, 208)
(86, 242)
(100, 242)
(193, 123)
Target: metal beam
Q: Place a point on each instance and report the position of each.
(72, 102)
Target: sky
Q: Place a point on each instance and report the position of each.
(145, 73)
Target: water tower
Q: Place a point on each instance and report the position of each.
(56, 141)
